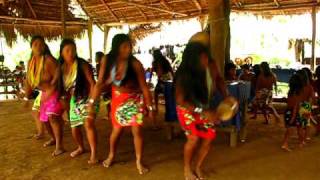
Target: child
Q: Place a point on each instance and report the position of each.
(246, 75)
(306, 103)
(291, 113)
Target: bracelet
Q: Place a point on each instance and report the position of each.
(198, 110)
(22, 91)
(25, 99)
(91, 101)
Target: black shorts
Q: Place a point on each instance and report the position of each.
(287, 119)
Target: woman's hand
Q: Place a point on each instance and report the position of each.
(211, 116)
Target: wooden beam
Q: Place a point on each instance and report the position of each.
(219, 11)
(142, 13)
(314, 32)
(154, 8)
(277, 3)
(85, 11)
(106, 30)
(197, 4)
(31, 9)
(157, 20)
(288, 7)
(42, 21)
(109, 9)
(63, 18)
(165, 5)
(90, 37)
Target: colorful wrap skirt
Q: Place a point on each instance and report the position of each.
(305, 112)
(50, 106)
(78, 112)
(37, 102)
(263, 97)
(127, 109)
(195, 124)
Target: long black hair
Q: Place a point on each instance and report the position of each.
(309, 74)
(303, 77)
(160, 61)
(112, 56)
(295, 85)
(191, 76)
(265, 69)
(81, 81)
(46, 50)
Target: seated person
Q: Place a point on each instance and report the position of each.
(230, 72)
(246, 74)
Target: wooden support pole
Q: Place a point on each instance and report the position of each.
(63, 20)
(314, 30)
(106, 30)
(90, 37)
(219, 12)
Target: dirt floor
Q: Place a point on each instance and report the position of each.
(260, 158)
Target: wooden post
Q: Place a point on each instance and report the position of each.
(105, 38)
(63, 19)
(219, 12)
(90, 37)
(314, 30)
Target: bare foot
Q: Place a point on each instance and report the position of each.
(38, 136)
(142, 169)
(286, 148)
(108, 162)
(93, 161)
(77, 152)
(51, 142)
(58, 152)
(200, 174)
(189, 175)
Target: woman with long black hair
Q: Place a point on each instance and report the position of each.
(165, 74)
(43, 73)
(78, 83)
(126, 74)
(194, 88)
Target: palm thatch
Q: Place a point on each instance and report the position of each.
(42, 17)
(141, 31)
(115, 12)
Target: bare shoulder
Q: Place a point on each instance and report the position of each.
(137, 64)
(50, 61)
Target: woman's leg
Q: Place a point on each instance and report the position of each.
(92, 139)
(52, 140)
(138, 144)
(116, 132)
(77, 136)
(202, 154)
(57, 128)
(39, 125)
(189, 149)
(285, 144)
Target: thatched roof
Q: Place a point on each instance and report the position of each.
(115, 12)
(42, 17)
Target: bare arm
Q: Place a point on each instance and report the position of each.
(89, 76)
(142, 82)
(53, 67)
(102, 82)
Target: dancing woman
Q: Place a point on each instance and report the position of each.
(193, 88)
(43, 73)
(78, 83)
(126, 74)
